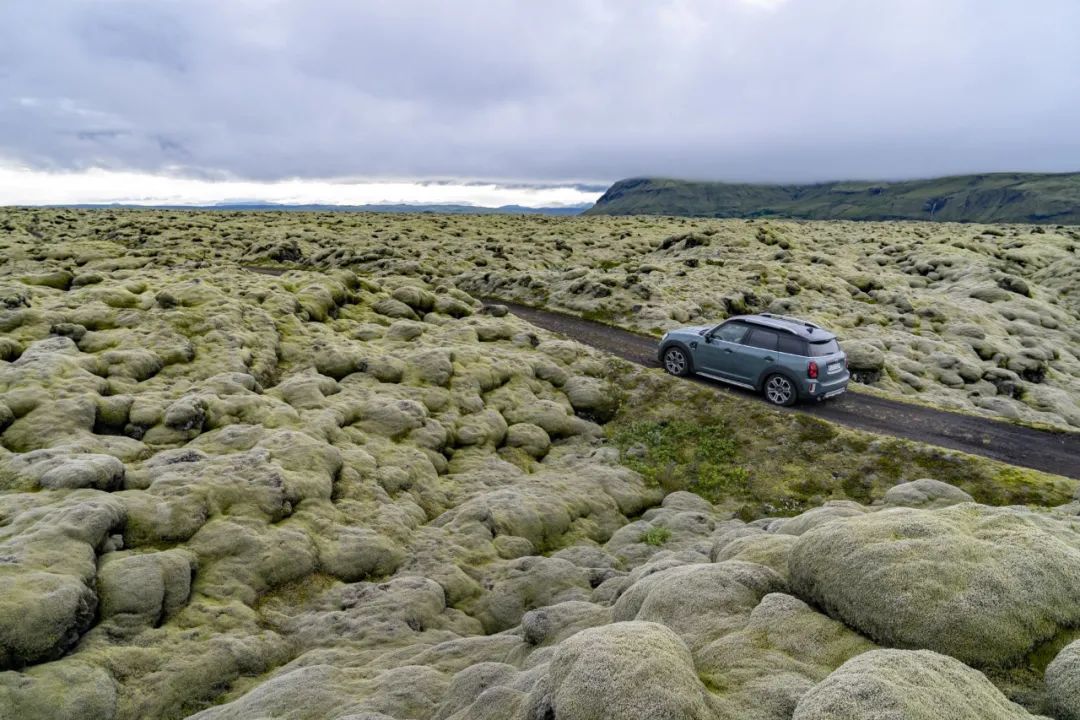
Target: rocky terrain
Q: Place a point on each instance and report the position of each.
(979, 319)
(350, 491)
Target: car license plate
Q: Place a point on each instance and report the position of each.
(835, 367)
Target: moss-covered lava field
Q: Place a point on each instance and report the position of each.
(287, 465)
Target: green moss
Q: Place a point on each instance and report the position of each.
(806, 486)
(1045, 653)
(517, 456)
(857, 443)
(739, 453)
(713, 683)
(1026, 487)
(295, 594)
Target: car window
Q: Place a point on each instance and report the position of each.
(792, 345)
(824, 347)
(730, 332)
(764, 339)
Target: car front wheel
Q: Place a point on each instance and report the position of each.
(676, 362)
(779, 390)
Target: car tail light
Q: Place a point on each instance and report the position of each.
(811, 370)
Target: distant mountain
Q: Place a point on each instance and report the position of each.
(989, 198)
(400, 208)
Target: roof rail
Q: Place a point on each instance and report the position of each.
(789, 318)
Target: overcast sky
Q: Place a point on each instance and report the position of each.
(559, 92)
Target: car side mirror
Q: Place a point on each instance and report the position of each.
(708, 338)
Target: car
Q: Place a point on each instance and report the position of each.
(784, 358)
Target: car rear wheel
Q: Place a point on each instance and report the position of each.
(676, 362)
(779, 390)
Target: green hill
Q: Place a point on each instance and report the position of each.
(998, 197)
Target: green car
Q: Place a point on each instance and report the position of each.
(785, 358)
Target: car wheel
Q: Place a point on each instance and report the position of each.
(779, 390)
(676, 362)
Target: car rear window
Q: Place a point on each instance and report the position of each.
(792, 345)
(764, 339)
(824, 347)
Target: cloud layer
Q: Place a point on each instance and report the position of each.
(95, 186)
(564, 90)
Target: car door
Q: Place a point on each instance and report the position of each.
(717, 353)
(757, 352)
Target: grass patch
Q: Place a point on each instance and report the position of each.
(754, 461)
(600, 315)
(656, 536)
(683, 455)
(814, 430)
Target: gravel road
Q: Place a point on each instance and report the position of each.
(1049, 451)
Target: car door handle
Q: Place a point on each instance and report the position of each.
(727, 350)
(767, 359)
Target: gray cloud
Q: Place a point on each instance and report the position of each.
(565, 90)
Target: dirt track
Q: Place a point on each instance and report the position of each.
(1055, 452)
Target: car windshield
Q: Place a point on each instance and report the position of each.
(730, 332)
(824, 347)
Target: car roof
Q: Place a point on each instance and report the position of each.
(803, 328)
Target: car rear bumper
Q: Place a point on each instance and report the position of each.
(830, 388)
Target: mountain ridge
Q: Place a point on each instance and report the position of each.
(984, 197)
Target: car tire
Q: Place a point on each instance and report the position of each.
(780, 390)
(677, 361)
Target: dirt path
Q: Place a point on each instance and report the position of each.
(1055, 452)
